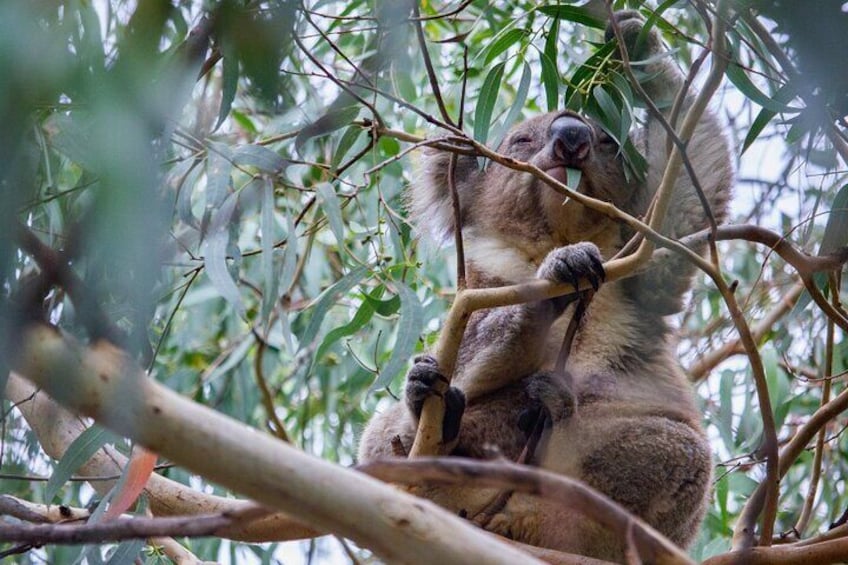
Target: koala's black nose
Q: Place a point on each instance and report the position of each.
(571, 138)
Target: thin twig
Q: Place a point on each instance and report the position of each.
(124, 529)
(428, 64)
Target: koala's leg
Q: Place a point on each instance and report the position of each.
(659, 469)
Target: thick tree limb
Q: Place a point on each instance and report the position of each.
(101, 382)
(56, 428)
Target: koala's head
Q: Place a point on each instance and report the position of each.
(499, 199)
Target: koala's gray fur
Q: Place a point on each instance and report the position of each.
(623, 416)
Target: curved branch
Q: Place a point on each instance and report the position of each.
(653, 547)
(833, 551)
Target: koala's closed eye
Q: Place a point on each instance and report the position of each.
(520, 140)
(604, 137)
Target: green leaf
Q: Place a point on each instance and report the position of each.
(347, 140)
(218, 168)
(80, 451)
(550, 80)
(724, 417)
(836, 231)
(363, 316)
(573, 177)
(486, 102)
(259, 157)
(515, 109)
(126, 552)
(577, 14)
(229, 83)
(502, 42)
(740, 79)
(270, 279)
(332, 209)
(761, 121)
(384, 308)
(410, 325)
(215, 254)
(327, 299)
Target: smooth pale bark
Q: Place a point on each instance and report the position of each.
(56, 428)
(102, 383)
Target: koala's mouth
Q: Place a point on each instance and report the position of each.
(560, 173)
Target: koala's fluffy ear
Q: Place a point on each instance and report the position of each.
(429, 202)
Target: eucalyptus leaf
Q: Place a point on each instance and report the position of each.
(80, 451)
(502, 42)
(410, 325)
(327, 300)
(486, 102)
(332, 209)
(260, 157)
(215, 254)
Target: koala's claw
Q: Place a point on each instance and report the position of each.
(421, 384)
(571, 263)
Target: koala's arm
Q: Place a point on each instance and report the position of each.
(661, 288)
(504, 345)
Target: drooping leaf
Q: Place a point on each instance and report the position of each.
(347, 140)
(336, 118)
(133, 480)
(486, 102)
(550, 80)
(515, 109)
(836, 230)
(740, 80)
(218, 168)
(332, 209)
(215, 254)
(410, 325)
(327, 299)
(80, 451)
(229, 83)
(270, 279)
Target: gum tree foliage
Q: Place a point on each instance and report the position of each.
(217, 188)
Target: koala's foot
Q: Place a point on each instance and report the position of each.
(571, 263)
(421, 384)
(550, 394)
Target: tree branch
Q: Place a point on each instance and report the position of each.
(101, 382)
(653, 547)
(124, 528)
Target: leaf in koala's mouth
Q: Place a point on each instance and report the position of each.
(572, 177)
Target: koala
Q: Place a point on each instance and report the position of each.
(621, 416)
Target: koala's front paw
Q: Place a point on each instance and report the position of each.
(630, 23)
(571, 263)
(551, 393)
(421, 384)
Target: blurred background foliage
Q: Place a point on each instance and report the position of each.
(225, 182)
